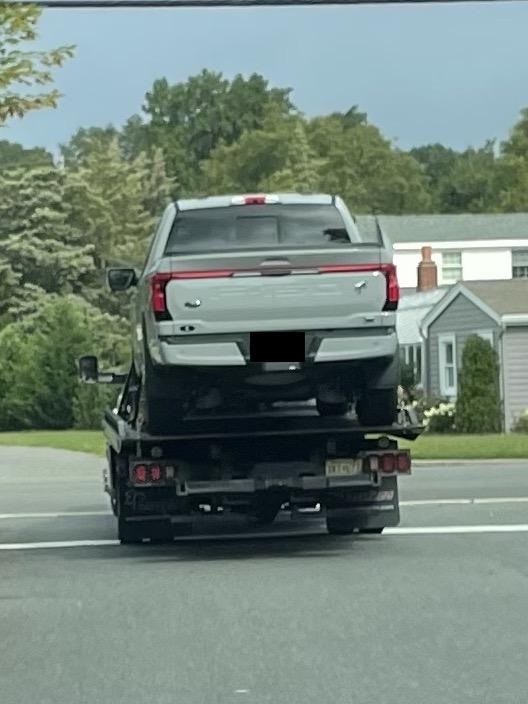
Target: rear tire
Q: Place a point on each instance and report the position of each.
(332, 409)
(377, 407)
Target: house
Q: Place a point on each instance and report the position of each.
(413, 308)
(497, 310)
(465, 247)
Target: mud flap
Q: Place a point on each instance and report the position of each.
(370, 508)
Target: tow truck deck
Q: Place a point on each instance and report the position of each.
(254, 466)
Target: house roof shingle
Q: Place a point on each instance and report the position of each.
(427, 229)
(505, 297)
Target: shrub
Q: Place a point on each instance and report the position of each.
(478, 402)
(521, 423)
(440, 418)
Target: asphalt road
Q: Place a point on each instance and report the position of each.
(406, 618)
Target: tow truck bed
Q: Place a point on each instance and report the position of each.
(254, 466)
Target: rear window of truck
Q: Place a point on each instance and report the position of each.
(258, 227)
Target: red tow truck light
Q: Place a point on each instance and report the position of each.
(388, 463)
(404, 462)
(139, 473)
(155, 472)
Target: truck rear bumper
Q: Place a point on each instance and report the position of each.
(233, 351)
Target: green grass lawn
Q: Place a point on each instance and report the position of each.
(80, 440)
(428, 447)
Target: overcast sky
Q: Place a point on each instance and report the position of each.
(454, 74)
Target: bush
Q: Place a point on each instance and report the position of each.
(440, 418)
(521, 423)
(39, 387)
(478, 402)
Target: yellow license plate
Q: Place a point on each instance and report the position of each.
(343, 467)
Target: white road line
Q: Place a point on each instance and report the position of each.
(459, 502)
(57, 514)
(425, 530)
(449, 530)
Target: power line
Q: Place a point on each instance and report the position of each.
(109, 4)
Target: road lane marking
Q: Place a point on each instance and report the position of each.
(418, 530)
(55, 514)
(465, 502)
(451, 530)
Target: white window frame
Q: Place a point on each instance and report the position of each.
(445, 390)
(405, 355)
(449, 279)
(524, 267)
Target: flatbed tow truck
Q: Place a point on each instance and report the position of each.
(248, 466)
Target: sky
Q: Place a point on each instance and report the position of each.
(455, 74)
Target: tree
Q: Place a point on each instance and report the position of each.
(478, 402)
(85, 141)
(41, 252)
(13, 155)
(189, 120)
(470, 186)
(38, 366)
(513, 168)
(276, 156)
(110, 199)
(25, 67)
(364, 168)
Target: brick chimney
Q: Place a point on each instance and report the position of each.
(427, 273)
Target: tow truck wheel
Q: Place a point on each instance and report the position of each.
(128, 534)
(339, 526)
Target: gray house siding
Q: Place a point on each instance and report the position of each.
(461, 318)
(515, 371)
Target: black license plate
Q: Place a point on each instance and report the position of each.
(277, 347)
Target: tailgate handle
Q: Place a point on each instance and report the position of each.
(276, 267)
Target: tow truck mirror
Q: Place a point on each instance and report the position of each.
(90, 374)
(89, 369)
(121, 279)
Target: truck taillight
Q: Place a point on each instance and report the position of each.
(139, 473)
(390, 462)
(393, 288)
(158, 284)
(144, 473)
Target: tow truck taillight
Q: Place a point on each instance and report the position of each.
(390, 462)
(147, 473)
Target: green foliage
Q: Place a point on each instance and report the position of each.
(42, 253)
(38, 372)
(521, 423)
(13, 155)
(441, 418)
(365, 168)
(25, 67)
(478, 402)
(189, 120)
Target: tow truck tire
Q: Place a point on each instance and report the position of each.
(332, 409)
(339, 526)
(377, 407)
(128, 534)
